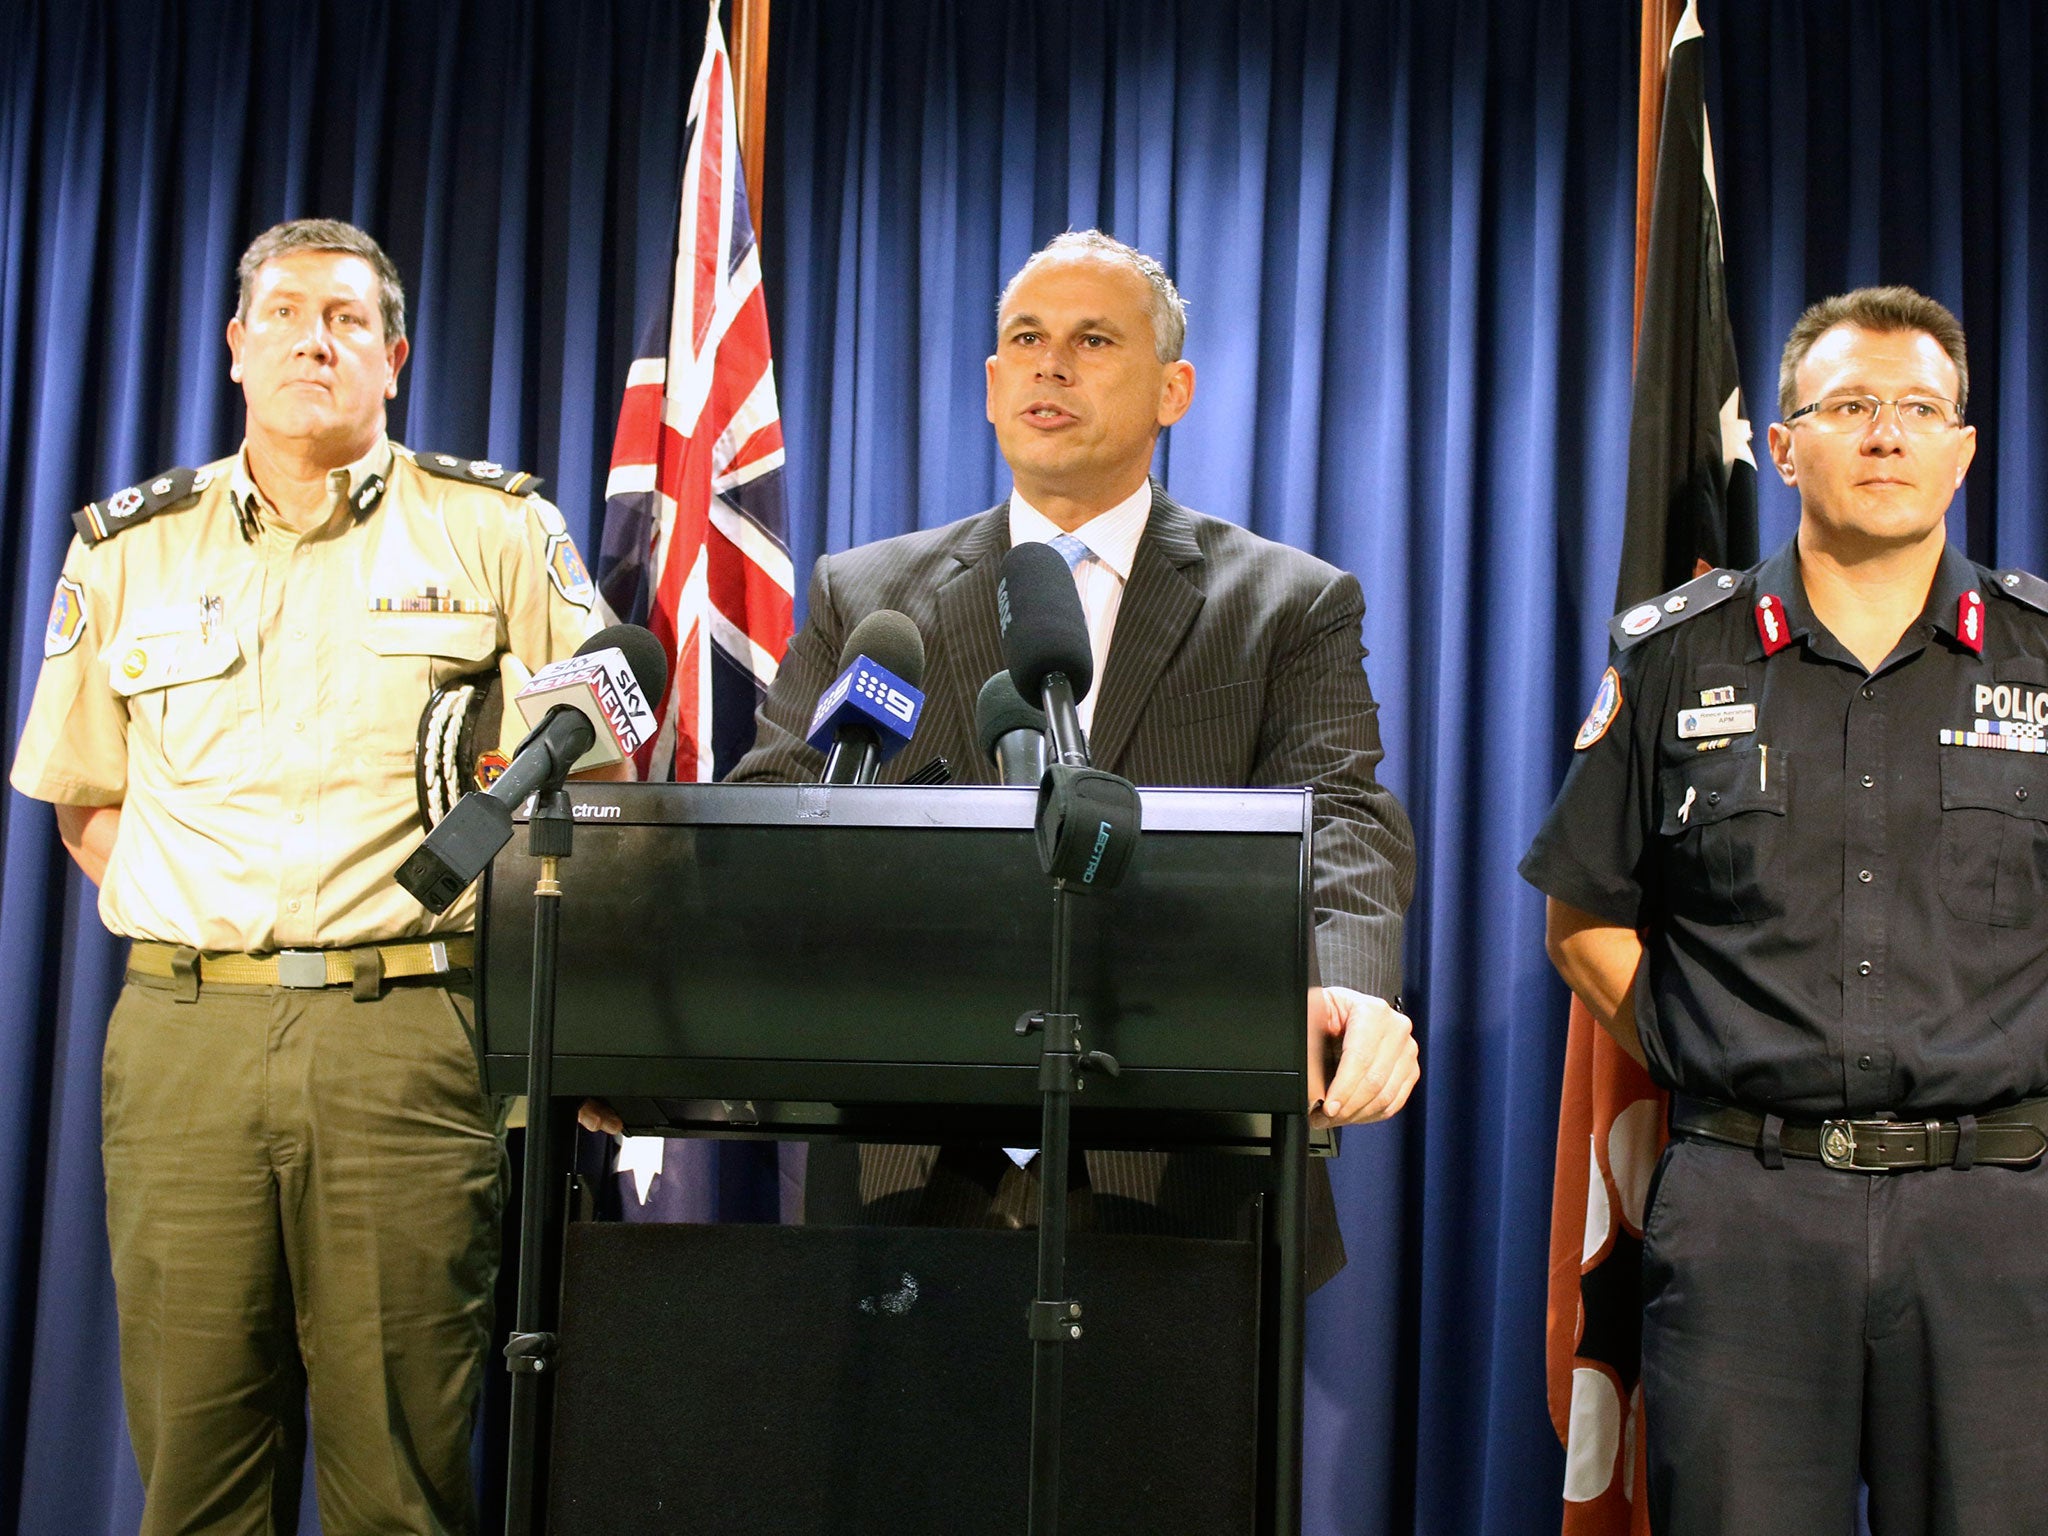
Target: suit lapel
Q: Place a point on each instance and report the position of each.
(1160, 603)
(972, 645)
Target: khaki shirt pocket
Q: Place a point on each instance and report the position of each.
(410, 655)
(184, 687)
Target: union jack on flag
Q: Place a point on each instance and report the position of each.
(695, 538)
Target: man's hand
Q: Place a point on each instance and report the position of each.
(1378, 1064)
(596, 1115)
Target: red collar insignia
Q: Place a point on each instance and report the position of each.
(1771, 625)
(1970, 621)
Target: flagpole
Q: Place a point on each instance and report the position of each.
(1660, 21)
(750, 92)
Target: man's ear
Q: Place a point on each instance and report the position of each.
(1176, 391)
(1780, 439)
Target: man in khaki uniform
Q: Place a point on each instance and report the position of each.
(304, 1175)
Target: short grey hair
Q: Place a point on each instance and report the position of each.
(1168, 311)
(1887, 311)
(325, 235)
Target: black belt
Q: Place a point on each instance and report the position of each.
(2013, 1137)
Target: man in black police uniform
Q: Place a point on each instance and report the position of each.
(1799, 867)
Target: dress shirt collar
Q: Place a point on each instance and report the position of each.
(1780, 575)
(349, 483)
(1112, 536)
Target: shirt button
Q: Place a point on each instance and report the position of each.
(2020, 793)
(299, 816)
(1713, 797)
(298, 725)
(1863, 968)
(1863, 1062)
(298, 634)
(1861, 874)
(1869, 692)
(1868, 781)
(291, 906)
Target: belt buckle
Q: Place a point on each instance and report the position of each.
(301, 968)
(1838, 1144)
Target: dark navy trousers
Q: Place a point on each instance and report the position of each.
(1803, 1325)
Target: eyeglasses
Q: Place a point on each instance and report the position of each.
(1917, 414)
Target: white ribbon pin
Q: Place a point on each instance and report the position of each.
(1685, 807)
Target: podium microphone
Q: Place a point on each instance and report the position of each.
(1045, 642)
(1011, 731)
(870, 711)
(586, 712)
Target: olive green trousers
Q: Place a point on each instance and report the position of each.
(303, 1203)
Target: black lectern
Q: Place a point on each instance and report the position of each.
(849, 962)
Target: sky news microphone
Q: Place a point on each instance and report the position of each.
(871, 709)
(1045, 642)
(589, 711)
(1011, 730)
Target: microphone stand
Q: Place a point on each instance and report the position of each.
(1056, 1318)
(530, 1352)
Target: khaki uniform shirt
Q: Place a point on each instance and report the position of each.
(250, 696)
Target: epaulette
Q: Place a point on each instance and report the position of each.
(2024, 587)
(99, 520)
(1633, 625)
(514, 482)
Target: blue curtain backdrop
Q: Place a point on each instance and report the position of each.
(1406, 234)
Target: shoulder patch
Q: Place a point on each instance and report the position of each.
(99, 520)
(1633, 625)
(566, 571)
(1606, 705)
(514, 482)
(2022, 587)
(67, 618)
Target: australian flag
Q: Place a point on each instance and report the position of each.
(1691, 507)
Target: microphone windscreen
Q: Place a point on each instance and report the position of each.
(1000, 709)
(643, 653)
(888, 639)
(1044, 630)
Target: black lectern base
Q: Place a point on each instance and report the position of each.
(724, 1381)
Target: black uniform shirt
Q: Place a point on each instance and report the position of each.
(1845, 908)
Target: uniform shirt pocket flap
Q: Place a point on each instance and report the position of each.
(1725, 783)
(465, 636)
(1981, 779)
(137, 663)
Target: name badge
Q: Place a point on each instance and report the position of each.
(1726, 720)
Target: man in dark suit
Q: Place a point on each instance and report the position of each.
(1236, 661)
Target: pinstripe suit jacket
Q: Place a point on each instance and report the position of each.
(1235, 661)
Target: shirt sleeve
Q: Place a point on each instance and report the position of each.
(1322, 730)
(547, 596)
(1589, 852)
(74, 748)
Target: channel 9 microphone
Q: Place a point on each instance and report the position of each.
(592, 710)
(1045, 642)
(871, 709)
(1011, 731)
